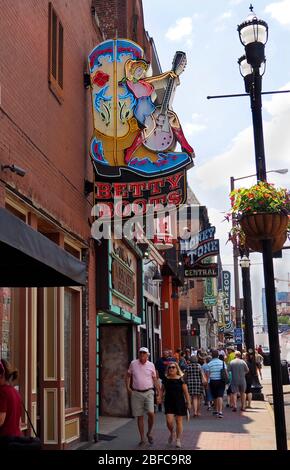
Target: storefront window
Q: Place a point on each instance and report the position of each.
(12, 323)
(72, 347)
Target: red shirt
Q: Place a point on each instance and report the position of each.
(10, 403)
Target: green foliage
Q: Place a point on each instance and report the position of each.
(262, 197)
(284, 320)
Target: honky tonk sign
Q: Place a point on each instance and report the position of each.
(196, 249)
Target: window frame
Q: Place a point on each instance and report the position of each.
(56, 83)
(76, 405)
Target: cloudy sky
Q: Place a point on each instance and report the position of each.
(221, 130)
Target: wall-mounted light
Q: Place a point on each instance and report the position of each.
(15, 169)
(87, 80)
(88, 187)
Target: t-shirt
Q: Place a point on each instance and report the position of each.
(142, 374)
(215, 366)
(10, 403)
(239, 369)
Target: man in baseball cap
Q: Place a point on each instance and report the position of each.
(141, 380)
(145, 350)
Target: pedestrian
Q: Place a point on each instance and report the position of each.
(176, 401)
(208, 395)
(195, 380)
(259, 363)
(141, 380)
(182, 362)
(10, 403)
(250, 376)
(239, 369)
(230, 354)
(217, 384)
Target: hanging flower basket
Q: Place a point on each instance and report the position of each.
(264, 226)
(261, 213)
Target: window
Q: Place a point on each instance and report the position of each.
(55, 77)
(72, 345)
(12, 329)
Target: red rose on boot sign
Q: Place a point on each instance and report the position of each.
(101, 78)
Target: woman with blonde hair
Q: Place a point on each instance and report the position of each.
(175, 402)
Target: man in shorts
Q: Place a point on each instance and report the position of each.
(239, 369)
(141, 380)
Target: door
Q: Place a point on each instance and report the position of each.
(115, 356)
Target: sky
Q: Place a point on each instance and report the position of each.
(220, 130)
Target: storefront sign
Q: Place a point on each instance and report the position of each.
(134, 140)
(198, 247)
(131, 133)
(202, 270)
(125, 199)
(226, 286)
(123, 280)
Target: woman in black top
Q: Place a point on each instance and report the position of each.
(174, 403)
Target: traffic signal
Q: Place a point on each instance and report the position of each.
(193, 331)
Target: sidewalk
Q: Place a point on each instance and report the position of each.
(249, 430)
(268, 393)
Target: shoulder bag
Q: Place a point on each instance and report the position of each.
(224, 374)
(22, 442)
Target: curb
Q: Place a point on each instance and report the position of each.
(270, 410)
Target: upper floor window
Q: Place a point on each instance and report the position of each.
(55, 77)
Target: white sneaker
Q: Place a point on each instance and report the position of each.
(178, 443)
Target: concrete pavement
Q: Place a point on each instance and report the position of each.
(249, 430)
(267, 390)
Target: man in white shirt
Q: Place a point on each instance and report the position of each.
(141, 380)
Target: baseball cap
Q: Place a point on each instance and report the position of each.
(146, 350)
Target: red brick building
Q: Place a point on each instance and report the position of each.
(48, 302)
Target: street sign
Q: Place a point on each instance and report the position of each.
(238, 335)
(209, 301)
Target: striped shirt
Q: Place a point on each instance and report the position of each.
(215, 366)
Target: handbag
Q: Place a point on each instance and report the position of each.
(22, 442)
(224, 374)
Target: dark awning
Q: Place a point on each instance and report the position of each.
(29, 259)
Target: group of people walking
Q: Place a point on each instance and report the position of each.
(181, 380)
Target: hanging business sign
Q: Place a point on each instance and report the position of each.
(226, 287)
(134, 140)
(201, 270)
(126, 198)
(198, 248)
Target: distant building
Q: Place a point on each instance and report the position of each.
(283, 306)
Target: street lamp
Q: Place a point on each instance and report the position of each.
(236, 251)
(253, 35)
(248, 320)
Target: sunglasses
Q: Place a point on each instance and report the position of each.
(171, 367)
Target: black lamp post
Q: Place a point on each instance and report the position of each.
(248, 320)
(253, 35)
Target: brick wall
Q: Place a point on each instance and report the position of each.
(49, 140)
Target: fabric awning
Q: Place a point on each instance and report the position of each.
(29, 259)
